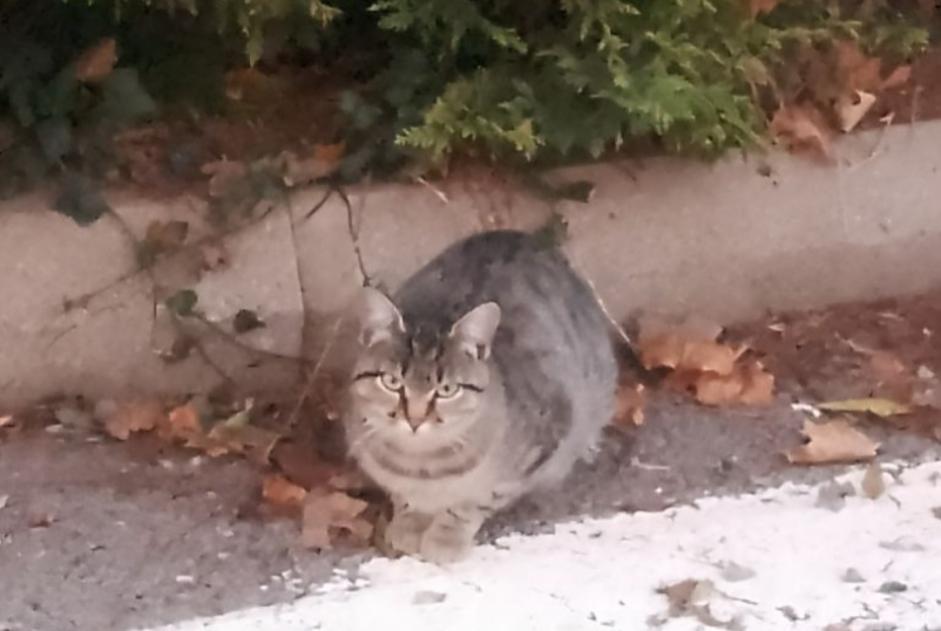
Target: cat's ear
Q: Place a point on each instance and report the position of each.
(476, 328)
(379, 318)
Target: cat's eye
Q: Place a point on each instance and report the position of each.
(391, 382)
(447, 390)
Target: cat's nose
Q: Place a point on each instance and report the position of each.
(414, 423)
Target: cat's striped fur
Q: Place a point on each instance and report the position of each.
(488, 374)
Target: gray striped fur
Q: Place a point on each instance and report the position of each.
(488, 374)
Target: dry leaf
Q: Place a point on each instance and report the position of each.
(137, 416)
(96, 63)
(672, 350)
(183, 423)
(327, 513)
(833, 442)
(749, 384)
(898, 77)
(882, 408)
(873, 484)
(801, 127)
(167, 234)
(857, 70)
(630, 403)
(330, 154)
(241, 438)
(325, 162)
(278, 490)
(851, 109)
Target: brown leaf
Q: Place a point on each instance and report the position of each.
(833, 442)
(164, 236)
(671, 350)
(855, 69)
(630, 402)
(136, 416)
(801, 127)
(328, 514)
(96, 62)
(330, 154)
(182, 423)
(898, 77)
(255, 442)
(749, 384)
(278, 490)
(325, 162)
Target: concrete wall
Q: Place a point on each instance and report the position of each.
(725, 240)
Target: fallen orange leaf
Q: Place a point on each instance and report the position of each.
(898, 77)
(833, 442)
(801, 127)
(278, 490)
(135, 416)
(671, 350)
(327, 513)
(182, 423)
(749, 384)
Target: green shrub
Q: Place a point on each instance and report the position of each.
(545, 79)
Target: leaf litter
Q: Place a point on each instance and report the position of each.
(716, 373)
(833, 442)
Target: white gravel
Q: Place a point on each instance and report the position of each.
(778, 559)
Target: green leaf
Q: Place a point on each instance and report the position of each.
(183, 302)
(80, 200)
(246, 320)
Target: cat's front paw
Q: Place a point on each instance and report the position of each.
(446, 544)
(404, 532)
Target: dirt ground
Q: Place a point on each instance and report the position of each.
(97, 534)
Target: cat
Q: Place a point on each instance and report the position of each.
(485, 377)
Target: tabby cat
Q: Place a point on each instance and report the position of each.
(487, 375)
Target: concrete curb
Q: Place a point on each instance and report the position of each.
(727, 240)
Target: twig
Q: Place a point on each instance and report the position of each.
(200, 349)
(83, 299)
(354, 236)
(607, 314)
(235, 341)
(323, 200)
(314, 373)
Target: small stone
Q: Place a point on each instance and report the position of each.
(832, 496)
(185, 579)
(852, 575)
(427, 597)
(733, 572)
(936, 511)
(893, 587)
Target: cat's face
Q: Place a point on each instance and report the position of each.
(416, 385)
